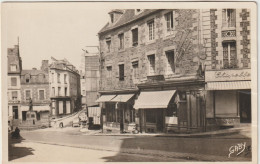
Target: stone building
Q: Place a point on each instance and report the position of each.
(14, 63)
(35, 87)
(228, 71)
(152, 65)
(64, 87)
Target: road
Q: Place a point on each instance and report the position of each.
(37, 152)
(123, 148)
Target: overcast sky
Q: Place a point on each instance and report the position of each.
(60, 30)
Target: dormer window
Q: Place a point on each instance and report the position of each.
(138, 11)
(112, 18)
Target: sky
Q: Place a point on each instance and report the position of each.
(60, 30)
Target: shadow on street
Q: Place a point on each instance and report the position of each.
(15, 152)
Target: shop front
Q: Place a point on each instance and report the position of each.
(117, 112)
(228, 98)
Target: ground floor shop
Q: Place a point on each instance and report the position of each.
(118, 113)
(62, 106)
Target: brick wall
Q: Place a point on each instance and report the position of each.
(183, 40)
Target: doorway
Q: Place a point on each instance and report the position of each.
(24, 115)
(15, 112)
(245, 106)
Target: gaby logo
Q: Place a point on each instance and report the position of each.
(238, 148)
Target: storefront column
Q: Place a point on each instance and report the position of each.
(188, 111)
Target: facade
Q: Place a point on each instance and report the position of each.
(152, 65)
(228, 71)
(35, 88)
(83, 90)
(14, 69)
(92, 75)
(64, 87)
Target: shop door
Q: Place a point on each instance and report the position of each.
(245, 106)
(159, 120)
(24, 115)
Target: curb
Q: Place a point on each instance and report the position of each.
(163, 154)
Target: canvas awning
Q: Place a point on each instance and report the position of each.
(154, 99)
(122, 98)
(231, 85)
(36, 108)
(105, 98)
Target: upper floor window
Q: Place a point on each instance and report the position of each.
(13, 67)
(121, 72)
(109, 72)
(108, 42)
(41, 94)
(151, 29)
(135, 69)
(14, 95)
(53, 91)
(59, 91)
(58, 77)
(151, 59)
(13, 81)
(135, 37)
(170, 62)
(66, 90)
(52, 77)
(112, 18)
(121, 41)
(65, 78)
(229, 54)
(169, 21)
(27, 94)
(228, 17)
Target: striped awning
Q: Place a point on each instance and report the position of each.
(154, 99)
(122, 98)
(231, 85)
(105, 98)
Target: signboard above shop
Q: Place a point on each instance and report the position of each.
(228, 75)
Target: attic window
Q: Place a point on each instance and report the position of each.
(138, 11)
(112, 18)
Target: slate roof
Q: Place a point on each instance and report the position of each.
(33, 72)
(127, 17)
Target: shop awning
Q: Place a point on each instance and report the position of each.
(105, 98)
(154, 99)
(122, 98)
(36, 108)
(232, 85)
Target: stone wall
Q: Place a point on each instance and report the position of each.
(183, 40)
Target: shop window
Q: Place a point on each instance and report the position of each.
(14, 95)
(108, 42)
(151, 59)
(41, 94)
(226, 104)
(229, 55)
(169, 21)
(13, 81)
(13, 67)
(121, 41)
(151, 116)
(228, 17)
(27, 94)
(135, 37)
(109, 72)
(135, 69)
(121, 72)
(150, 25)
(170, 62)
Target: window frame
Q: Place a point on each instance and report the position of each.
(169, 65)
(12, 83)
(232, 18)
(109, 72)
(39, 95)
(108, 44)
(227, 49)
(151, 73)
(121, 38)
(135, 66)
(171, 21)
(151, 30)
(30, 91)
(135, 39)
(13, 66)
(121, 68)
(13, 97)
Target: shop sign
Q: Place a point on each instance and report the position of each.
(228, 75)
(13, 101)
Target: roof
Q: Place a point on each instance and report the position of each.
(127, 17)
(91, 51)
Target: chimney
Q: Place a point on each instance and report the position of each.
(45, 65)
(115, 14)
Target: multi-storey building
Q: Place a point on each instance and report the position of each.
(35, 88)
(14, 69)
(65, 88)
(228, 72)
(153, 61)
